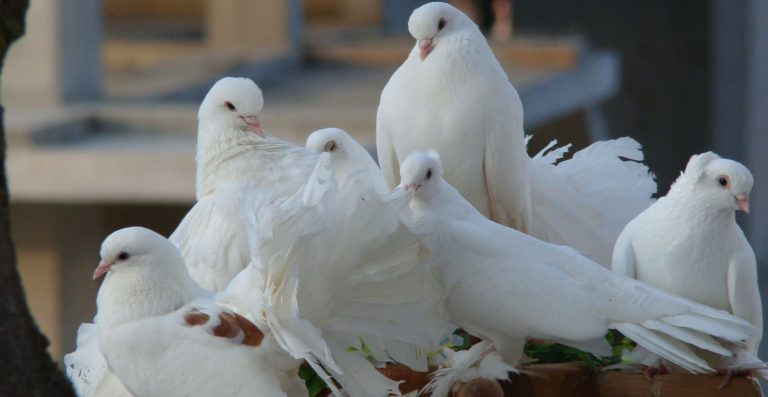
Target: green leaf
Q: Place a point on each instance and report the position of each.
(367, 353)
(466, 340)
(550, 353)
(313, 381)
(315, 386)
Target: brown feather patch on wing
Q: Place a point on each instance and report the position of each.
(230, 326)
(227, 327)
(253, 335)
(195, 317)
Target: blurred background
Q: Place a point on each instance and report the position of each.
(102, 95)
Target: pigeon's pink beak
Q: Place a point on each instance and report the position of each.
(411, 187)
(425, 47)
(103, 267)
(254, 124)
(742, 201)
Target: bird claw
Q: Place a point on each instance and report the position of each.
(649, 372)
(729, 374)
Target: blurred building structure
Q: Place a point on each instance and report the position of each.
(102, 96)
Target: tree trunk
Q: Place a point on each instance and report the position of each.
(26, 369)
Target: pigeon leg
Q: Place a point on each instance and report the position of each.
(650, 371)
(728, 375)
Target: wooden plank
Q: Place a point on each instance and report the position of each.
(624, 384)
(577, 380)
(552, 380)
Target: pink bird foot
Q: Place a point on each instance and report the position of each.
(729, 374)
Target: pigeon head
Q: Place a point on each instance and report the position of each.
(725, 182)
(421, 172)
(432, 22)
(147, 277)
(136, 248)
(331, 140)
(233, 102)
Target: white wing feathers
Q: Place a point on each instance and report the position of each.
(212, 237)
(509, 199)
(671, 320)
(340, 271)
(623, 259)
(585, 202)
(744, 293)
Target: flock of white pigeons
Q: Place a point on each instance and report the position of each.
(316, 255)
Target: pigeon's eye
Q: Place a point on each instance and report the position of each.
(230, 106)
(441, 24)
(429, 173)
(723, 181)
(330, 146)
(123, 255)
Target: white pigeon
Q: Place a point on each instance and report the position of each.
(342, 282)
(234, 158)
(452, 95)
(161, 334)
(505, 286)
(689, 243)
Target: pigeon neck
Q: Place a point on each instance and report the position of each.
(466, 57)
(443, 201)
(457, 61)
(217, 153)
(233, 155)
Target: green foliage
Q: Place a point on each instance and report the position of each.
(364, 350)
(314, 382)
(542, 352)
(619, 344)
(550, 353)
(466, 341)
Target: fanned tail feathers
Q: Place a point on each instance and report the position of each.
(585, 202)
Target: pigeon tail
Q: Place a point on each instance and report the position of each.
(585, 202)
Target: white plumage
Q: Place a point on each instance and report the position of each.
(161, 334)
(688, 242)
(585, 201)
(327, 265)
(340, 271)
(506, 286)
(87, 369)
(235, 160)
(479, 361)
(452, 95)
